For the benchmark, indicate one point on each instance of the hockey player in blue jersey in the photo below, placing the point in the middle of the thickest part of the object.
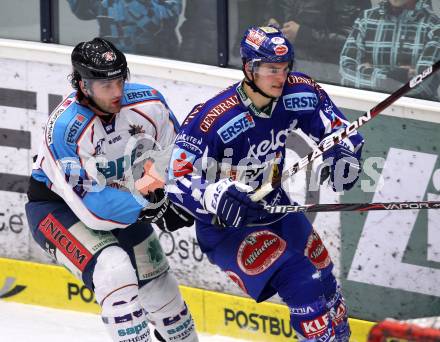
(227, 148)
(93, 197)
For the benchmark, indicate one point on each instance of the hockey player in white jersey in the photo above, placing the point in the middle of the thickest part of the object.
(92, 199)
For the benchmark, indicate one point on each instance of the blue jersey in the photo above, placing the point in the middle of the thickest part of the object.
(229, 137)
(93, 163)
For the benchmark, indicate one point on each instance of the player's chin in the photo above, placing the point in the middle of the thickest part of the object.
(114, 108)
(276, 91)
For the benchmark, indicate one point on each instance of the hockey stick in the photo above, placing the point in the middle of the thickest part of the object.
(311, 208)
(338, 136)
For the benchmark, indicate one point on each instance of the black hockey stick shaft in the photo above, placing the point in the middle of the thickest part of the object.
(311, 208)
(342, 134)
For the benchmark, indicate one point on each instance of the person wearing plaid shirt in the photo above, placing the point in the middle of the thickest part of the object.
(391, 43)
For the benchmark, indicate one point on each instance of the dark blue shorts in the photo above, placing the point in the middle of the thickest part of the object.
(251, 255)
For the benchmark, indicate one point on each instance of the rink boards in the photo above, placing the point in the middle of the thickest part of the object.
(388, 263)
(214, 313)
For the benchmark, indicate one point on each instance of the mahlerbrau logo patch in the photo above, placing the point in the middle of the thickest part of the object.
(237, 280)
(259, 250)
(316, 251)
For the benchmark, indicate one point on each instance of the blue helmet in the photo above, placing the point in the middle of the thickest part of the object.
(265, 44)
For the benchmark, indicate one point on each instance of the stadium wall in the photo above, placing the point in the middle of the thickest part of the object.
(388, 262)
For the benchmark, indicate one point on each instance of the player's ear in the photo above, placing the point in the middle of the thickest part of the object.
(247, 69)
(83, 87)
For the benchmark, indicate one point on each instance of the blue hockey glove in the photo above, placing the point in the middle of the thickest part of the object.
(344, 166)
(229, 200)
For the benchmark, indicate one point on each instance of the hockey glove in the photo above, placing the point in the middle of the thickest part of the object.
(174, 218)
(229, 200)
(164, 214)
(343, 166)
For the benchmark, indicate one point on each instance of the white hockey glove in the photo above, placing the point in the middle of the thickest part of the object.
(229, 200)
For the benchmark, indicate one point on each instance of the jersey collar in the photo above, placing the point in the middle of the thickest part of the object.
(265, 112)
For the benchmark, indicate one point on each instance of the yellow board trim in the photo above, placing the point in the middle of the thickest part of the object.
(213, 312)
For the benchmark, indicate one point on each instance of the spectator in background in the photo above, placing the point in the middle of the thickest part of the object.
(390, 44)
(135, 26)
(318, 28)
(199, 32)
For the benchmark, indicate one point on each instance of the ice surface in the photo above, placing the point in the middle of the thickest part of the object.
(21, 322)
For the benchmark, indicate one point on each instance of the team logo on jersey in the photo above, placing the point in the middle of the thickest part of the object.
(141, 94)
(66, 243)
(302, 310)
(336, 121)
(115, 139)
(300, 101)
(294, 79)
(217, 112)
(189, 142)
(136, 129)
(116, 168)
(274, 143)
(236, 279)
(150, 258)
(234, 127)
(181, 163)
(98, 148)
(193, 113)
(316, 251)
(340, 313)
(74, 129)
(315, 328)
(259, 250)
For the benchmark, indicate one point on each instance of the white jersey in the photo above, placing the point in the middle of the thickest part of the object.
(92, 164)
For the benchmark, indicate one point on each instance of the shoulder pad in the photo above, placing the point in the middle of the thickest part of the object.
(67, 122)
(303, 82)
(300, 78)
(134, 93)
(214, 109)
(53, 118)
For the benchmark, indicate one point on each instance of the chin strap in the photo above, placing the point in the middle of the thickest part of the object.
(251, 83)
